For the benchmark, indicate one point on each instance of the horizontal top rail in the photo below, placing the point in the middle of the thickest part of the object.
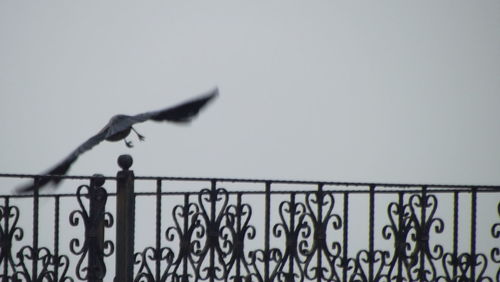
(264, 181)
(259, 192)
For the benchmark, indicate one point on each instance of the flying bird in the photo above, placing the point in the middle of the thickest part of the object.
(120, 126)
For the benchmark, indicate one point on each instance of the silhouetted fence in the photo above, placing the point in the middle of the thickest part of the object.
(194, 229)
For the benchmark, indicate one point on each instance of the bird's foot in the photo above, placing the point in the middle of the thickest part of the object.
(128, 143)
(141, 137)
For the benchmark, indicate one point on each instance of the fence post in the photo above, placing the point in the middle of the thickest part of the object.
(95, 229)
(125, 220)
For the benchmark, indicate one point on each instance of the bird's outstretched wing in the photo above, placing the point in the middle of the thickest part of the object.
(181, 113)
(184, 112)
(62, 167)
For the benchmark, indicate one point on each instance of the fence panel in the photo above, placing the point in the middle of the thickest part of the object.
(204, 229)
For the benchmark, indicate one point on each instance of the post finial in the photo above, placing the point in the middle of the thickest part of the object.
(98, 179)
(125, 161)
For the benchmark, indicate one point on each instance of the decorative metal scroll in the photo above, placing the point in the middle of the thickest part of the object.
(33, 262)
(9, 234)
(495, 252)
(95, 219)
(212, 231)
(30, 262)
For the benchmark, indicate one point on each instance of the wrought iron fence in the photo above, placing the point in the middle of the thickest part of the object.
(194, 229)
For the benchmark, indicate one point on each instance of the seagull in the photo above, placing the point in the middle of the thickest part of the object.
(120, 126)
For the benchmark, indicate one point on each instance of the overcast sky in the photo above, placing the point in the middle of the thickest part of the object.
(382, 91)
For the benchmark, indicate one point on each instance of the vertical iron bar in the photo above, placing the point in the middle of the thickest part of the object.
(56, 238)
(90, 236)
(212, 221)
(158, 229)
(185, 231)
(8, 255)
(95, 232)
(473, 234)
(292, 227)
(398, 238)
(345, 252)
(422, 229)
(371, 233)
(34, 270)
(125, 221)
(318, 228)
(455, 233)
(238, 231)
(267, 230)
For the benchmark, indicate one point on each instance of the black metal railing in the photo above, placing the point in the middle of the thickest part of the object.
(208, 229)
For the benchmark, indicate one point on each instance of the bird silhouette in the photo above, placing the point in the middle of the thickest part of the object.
(119, 127)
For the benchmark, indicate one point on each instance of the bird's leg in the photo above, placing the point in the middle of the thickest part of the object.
(128, 143)
(141, 137)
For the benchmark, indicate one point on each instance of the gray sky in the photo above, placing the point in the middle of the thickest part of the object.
(383, 91)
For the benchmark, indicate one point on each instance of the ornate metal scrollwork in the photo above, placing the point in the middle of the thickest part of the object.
(295, 230)
(212, 248)
(28, 253)
(210, 234)
(422, 211)
(495, 252)
(94, 248)
(51, 269)
(47, 266)
(235, 232)
(369, 266)
(459, 268)
(60, 268)
(188, 232)
(9, 232)
(187, 228)
(152, 255)
(322, 259)
(410, 227)
(144, 272)
(400, 227)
